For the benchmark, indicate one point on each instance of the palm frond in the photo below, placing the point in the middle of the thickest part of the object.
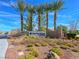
(39, 9)
(21, 5)
(46, 6)
(30, 8)
(55, 6)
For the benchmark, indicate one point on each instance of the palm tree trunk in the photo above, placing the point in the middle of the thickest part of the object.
(38, 22)
(46, 23)
(55, 16)
(21, 22)
(30, 22)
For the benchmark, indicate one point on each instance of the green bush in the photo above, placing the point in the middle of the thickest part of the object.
(75, 50)
(76, 38)
(37, 44)
(53, 44)
(71, 35)
(57, 51)
(33, 51)
(44, 44)
(64, 47)
(69, 44)
(29, 57)
(59, 42)
(30, 45)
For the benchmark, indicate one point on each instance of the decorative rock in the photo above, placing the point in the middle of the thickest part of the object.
(21, 53)
(52, 55)
(77, 36)
(56, 56)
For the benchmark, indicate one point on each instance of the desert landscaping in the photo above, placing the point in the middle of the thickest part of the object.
(38, 48)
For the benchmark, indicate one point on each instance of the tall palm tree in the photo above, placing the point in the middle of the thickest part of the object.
(39, 10)
(21, 6)
(56, 6)
(31, 10)
(46, 9)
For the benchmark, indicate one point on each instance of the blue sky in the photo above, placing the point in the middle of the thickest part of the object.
(10, 19)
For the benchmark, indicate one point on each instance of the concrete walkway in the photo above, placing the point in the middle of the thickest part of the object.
(3, 48)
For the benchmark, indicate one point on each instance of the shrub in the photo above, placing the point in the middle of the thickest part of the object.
(69, 44)
(25, 36)
(30, 45)
(33, 37)
(64, 47)
(60, 42)
(75, 50)
(44, 44)
(53, 44)
(77, 37)
(29, 57)
(75, 44)
(71, 35)
(33, 51)
(30, 48)
(37, 44)
(57, 51)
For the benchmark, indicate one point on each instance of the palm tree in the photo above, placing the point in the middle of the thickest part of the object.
(46, 9)
(25, 26)
(56, 6)
(31, 10)
(21, 6)
(39, 10)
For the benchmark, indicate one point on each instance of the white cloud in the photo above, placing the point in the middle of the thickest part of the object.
(10, 15)
(4, 4)
(4, 26)
(7, 14)
(3, 12)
